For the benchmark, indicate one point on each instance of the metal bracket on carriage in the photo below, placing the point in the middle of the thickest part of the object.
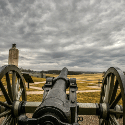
(72, 91)
(73, 99)
(48, 86)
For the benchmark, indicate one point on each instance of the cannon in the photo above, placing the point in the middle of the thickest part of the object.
(57, 107)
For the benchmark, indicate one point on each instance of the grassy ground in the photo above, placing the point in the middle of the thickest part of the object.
(88, 97)
(35, 79)
(32, 98)
(30, 89)
(83, 81)
(35, 98)
(91, 97)
(93, 77)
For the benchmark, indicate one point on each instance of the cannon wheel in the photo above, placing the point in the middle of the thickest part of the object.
(13, 89)
(113, 93)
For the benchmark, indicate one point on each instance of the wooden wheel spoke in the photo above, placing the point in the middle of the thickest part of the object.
(17, 88)
(7, 119)
(5, 93)
(111, 86)
(5, 113)
(14, 85)
(110, 122)
(106, 122)
(5, 105)
(9, 85)
(101, 122)
(114, 91)
(102, 94)
(14, 121)
(10, 123)
(23, 92)
(107, 89)
(18, 83)
(3, 123)
(20, 93)
(113, 104)
(112, 111)
(113, 120)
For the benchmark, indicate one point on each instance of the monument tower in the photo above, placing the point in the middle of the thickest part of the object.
(13, 55)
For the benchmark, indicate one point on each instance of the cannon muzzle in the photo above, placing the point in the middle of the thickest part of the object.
(64, 72)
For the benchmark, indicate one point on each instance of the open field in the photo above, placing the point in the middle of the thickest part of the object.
(84, 82)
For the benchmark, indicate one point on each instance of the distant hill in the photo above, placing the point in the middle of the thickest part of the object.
(58, 72)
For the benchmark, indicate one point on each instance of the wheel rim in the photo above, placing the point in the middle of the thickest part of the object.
(12, 86)
(113, 93)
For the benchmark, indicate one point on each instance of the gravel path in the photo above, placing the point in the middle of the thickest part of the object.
(37, 82)
(41, 92)
(33, 87)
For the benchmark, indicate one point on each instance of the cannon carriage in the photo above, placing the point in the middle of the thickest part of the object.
(57, 107)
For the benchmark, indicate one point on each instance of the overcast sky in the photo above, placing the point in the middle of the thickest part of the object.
(87, 35)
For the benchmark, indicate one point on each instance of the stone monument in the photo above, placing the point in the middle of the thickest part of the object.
(13, 55)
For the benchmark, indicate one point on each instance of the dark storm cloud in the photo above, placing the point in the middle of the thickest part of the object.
(2, 4)
(51, 34)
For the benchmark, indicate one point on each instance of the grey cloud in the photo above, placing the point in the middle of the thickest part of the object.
(3, 58)
(56, 33)
(59, 55)
(14, 1)
(3, 4)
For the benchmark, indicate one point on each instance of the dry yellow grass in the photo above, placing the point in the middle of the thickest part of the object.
(30, 89)
(38, 85)
(83, 80)
(51, 75)
(32, 98)
(93, 77)
(35, 98)
(35, 79)
(88, 97)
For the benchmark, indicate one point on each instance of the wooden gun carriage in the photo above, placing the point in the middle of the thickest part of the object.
(57, 107)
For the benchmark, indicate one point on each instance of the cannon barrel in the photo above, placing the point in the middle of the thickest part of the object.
(64, 72)
(60, 82)
(55, 103)
(59, 88)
